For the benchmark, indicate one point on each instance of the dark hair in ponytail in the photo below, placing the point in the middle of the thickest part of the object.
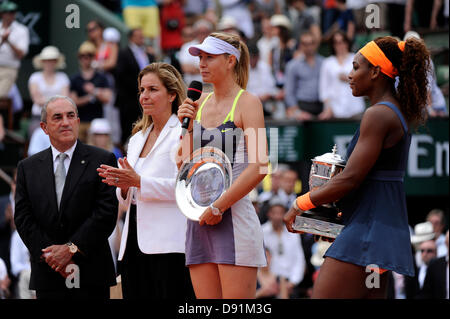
(413, 65)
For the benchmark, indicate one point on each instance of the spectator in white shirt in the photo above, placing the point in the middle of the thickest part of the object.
(39, 141)
(47, 81)
(19, 255)
(240, 12)
(14, 41)
(262, 84)
(288, 259)
(334, 90)
(267, 41)
(437, 218)
(427, 251)
(21, 267)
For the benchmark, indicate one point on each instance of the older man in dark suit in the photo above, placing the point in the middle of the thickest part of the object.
(64, 213)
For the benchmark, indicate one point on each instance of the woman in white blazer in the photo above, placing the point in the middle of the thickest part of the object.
(151, 255)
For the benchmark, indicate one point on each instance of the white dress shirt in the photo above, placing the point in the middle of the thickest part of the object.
(39, 141)
(288, 259)
(261, 81)
(47, 90)
(441, 246)
(140, 55)
(422, 274)
(336, 92)
(265, 46)
(186, 58)
(3, 270)
(20, 257)
(19, 37)
(67, 160)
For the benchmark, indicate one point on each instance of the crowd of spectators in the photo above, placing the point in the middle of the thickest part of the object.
(301, 53)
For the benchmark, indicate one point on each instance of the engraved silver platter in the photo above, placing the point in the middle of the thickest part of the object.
(201, 180)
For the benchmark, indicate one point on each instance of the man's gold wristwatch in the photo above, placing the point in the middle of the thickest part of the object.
(72, 247)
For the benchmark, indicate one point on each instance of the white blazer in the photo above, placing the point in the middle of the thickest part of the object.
(161, 227)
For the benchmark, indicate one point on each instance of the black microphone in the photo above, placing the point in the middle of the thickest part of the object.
(194, 92)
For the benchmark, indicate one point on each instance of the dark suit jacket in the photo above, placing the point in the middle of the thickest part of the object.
(434, 286)
(87, 215)
(412, 286)
(126, 73)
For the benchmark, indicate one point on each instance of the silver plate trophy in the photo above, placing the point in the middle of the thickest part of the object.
(201, 180)
(324, 220)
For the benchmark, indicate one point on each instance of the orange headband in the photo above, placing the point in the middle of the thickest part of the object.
(372, 52)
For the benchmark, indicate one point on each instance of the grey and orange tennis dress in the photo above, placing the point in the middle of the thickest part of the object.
(376, 220)
(238, 238)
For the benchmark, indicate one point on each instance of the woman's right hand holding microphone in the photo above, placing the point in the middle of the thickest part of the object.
(188, 109)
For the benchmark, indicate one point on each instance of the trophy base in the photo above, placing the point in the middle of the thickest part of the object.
(317, 227)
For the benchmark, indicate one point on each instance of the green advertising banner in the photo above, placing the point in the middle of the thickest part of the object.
(428, 162)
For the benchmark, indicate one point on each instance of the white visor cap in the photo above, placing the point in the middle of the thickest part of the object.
(213, 45)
